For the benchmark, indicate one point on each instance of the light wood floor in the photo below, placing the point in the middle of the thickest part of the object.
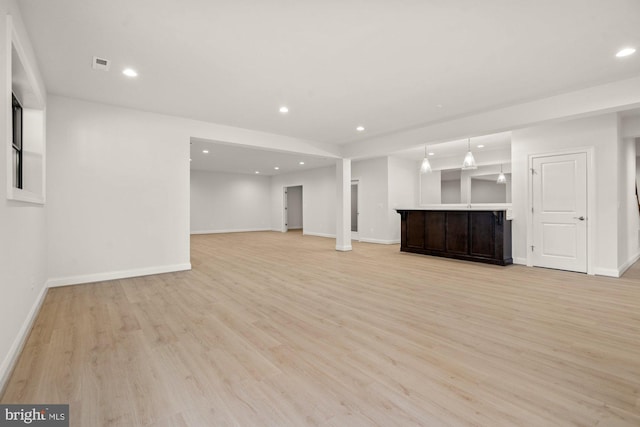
(273, 329)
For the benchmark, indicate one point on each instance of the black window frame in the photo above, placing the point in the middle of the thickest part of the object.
(16, 141)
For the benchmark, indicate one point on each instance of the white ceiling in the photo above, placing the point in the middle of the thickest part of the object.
(234, 158)
(382, 64)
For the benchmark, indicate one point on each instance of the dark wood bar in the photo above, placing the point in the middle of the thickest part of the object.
(471, 235)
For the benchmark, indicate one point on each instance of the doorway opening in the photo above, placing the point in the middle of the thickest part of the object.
(354, 210)
(293, 217)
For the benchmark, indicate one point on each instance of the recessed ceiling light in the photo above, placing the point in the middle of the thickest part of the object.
(360, 128)
(625, 52)
(481, 146)
(284, 110)
(277, 168)
(190, 160)
(302, 163)
(257, 171)
(439, 106)
(432, 154)
(205, 151)
(130, 72)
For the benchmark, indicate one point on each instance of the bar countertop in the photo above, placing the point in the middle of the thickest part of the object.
(459, 207)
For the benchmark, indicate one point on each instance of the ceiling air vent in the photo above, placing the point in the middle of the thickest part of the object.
(101, 64)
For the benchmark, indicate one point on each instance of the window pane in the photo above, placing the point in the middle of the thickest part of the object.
(17, 124)
(17, 168)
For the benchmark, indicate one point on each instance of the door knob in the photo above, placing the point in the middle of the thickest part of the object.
(581, 218)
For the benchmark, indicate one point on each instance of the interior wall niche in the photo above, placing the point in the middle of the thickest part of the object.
(456, 186)
(24, 86)
(485, 189)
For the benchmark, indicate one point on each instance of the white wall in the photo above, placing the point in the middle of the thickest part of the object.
(485, 191)
(119, 187)
(33, 150)
(613, 96)
(629, 244)
(631, 128)
(484, 158)
(384, 184)
(451, 191)
(431, 188)
(118, 192)
(380, 192)
(403, 192)
(634, 218)
(294, 207)
(601, 133)
(623, 199)
(637, 167)
(319, 201)
(628, 215)
(373, 224)
(226, 202)
(466, 187)
(22, 228)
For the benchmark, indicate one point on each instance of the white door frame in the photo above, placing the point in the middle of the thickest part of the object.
(285, 227)
(285, 214)
(591, 209)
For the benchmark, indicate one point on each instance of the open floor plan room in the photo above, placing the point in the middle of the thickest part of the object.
(298, 213)
(279, 329)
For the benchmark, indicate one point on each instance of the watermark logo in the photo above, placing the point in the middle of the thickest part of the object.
(34, 415)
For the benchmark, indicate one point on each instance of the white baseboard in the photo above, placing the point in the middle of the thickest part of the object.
(333, 236)
(235, 230)
(9, 362)
(113, 275)
(379, 241)
(624, 267)
(609, 272)
(295, 228)
(598, 271)
(311, 233)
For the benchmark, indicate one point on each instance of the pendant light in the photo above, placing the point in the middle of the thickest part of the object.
(501, 178)
(469, 162)
(426, 166)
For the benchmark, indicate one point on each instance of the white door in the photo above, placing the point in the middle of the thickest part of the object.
(559, 188)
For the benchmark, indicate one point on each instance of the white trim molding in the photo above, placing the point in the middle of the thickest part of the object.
(624, 267)
(113, 275)
(379, 241)
(26, 83)
(609, 272)
(8, 364)
(236, 230)
(311, 233)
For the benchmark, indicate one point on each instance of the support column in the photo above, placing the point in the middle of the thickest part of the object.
(343, 205)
